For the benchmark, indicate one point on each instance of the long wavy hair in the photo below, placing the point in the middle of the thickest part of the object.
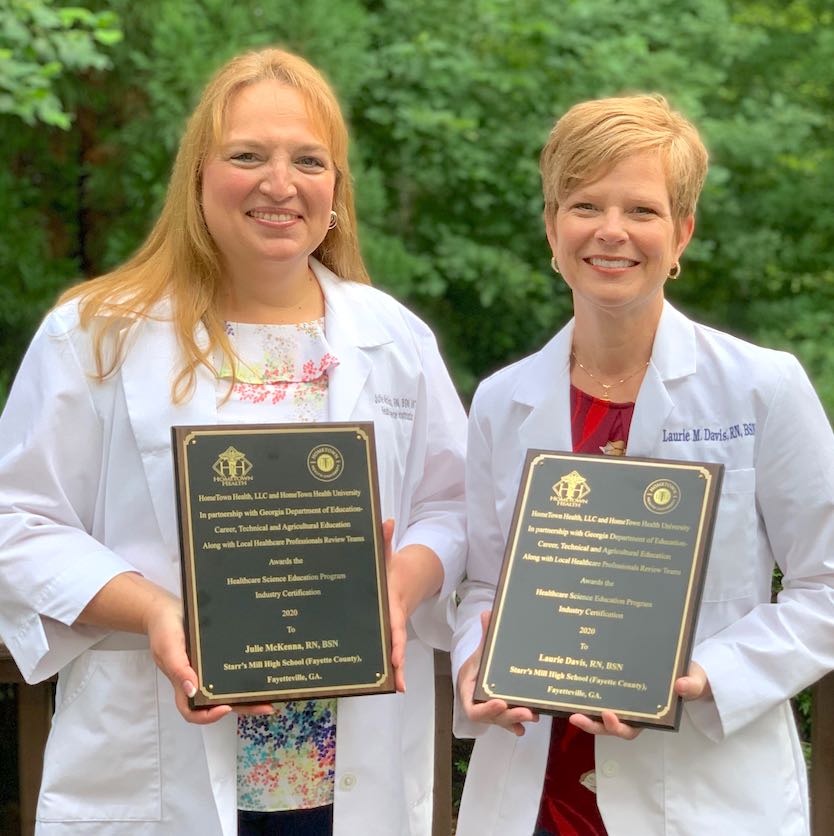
(179, 261)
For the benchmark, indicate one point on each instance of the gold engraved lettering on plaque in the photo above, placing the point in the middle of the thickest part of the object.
(232, 468)
(571, 491)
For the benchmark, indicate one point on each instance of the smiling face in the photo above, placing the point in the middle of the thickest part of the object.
(614, 238)
(267, 188)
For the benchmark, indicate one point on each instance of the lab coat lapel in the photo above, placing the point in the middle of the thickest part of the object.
(347, 395)
(673, 357)
(544, 387)
(151, 363)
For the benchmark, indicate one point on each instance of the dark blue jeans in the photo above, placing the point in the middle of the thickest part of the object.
(317, 821)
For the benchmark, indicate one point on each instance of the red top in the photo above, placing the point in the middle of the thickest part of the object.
(569, 805)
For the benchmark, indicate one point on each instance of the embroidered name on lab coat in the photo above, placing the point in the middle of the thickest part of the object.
(400, 408)
(697, 434)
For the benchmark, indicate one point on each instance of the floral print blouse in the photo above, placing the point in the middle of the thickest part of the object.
(285, 761)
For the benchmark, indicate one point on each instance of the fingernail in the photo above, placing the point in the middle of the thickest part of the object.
(189, 688)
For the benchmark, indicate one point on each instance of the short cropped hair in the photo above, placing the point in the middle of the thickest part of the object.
(594, 136)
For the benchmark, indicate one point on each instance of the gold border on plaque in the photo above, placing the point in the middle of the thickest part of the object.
(192, 437)
(536, 458)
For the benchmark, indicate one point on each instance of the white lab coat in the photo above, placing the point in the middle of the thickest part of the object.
(87, 492)
(735, 766)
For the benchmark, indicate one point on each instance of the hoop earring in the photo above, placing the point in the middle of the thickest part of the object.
(674, 271)
(554, 266)
(334, 220)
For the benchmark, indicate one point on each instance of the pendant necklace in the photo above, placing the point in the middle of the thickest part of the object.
(607, 387)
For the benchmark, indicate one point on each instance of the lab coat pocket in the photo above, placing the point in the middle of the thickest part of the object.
(102, 758)
(733, 552)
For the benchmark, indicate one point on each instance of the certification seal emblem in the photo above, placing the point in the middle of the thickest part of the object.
(325, 463)
(662, 496)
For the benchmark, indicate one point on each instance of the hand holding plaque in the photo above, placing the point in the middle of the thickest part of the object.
(284, 580)
(600, 587)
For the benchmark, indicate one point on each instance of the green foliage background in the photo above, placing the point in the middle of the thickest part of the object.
(449, 104)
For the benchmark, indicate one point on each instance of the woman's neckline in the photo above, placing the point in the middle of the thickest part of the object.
(589, 397)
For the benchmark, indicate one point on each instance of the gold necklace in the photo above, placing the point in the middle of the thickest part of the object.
(607, 387)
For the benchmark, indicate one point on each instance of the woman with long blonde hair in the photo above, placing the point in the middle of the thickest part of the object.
(248, 303)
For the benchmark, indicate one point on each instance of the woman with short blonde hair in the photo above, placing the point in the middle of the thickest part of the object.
(630, 375)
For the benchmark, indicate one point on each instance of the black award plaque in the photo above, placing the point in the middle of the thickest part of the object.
(283, 567)
(600, 586)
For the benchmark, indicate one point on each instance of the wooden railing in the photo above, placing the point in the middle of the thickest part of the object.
(34, 712)
(443, 696)
(822, 758)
